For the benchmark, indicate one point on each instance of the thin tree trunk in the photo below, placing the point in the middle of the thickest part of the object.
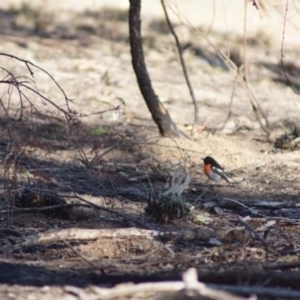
(159, 114)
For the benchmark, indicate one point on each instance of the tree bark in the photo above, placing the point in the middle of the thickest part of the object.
(159, 114)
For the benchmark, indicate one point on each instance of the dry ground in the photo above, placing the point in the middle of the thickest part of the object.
(85, 47)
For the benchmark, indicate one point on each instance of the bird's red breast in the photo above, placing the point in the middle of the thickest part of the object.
(207, 169)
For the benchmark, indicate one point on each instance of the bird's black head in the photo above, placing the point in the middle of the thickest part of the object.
(208, 160)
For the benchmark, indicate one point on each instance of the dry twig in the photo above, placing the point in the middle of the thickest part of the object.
(184, 69)
(43, 209)
(232, 67)
(282, 50)
(257, 235)
(112, 211)
(80, 255)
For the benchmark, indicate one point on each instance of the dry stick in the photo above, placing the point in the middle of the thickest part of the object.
(42, 209)
(263, 292)
(80, 255)
(12, 82)
(255, 4)
(247, 88)
(212, 19)
(71, 234)
(112, 211)
(28, 63)
(184, 69)
(183, 154)
(185, 288)
(284, 265)
(231, 100)
(82, 154)
(231, 66)
(250, 92)
(257, 235)
(238, 202)
(282, 50)
(265, 203)
(174, 286)
(20, 84)
(71, 116)
(112, 108)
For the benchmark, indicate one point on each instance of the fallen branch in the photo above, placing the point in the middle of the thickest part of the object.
(61, 235)
(17, 210)
(249, 204)
(185, 289)
(284, 265)
(214, 291)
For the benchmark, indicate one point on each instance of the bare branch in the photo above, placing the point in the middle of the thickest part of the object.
(28, 63)
(282, 50)
(184, 69)
(80, 255)
(112, 211)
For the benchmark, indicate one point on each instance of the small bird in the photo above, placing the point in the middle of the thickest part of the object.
(213, 170)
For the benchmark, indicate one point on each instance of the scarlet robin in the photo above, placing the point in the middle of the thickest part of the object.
(213, 170)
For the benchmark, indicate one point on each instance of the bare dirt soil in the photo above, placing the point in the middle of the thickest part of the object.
(85, 48)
